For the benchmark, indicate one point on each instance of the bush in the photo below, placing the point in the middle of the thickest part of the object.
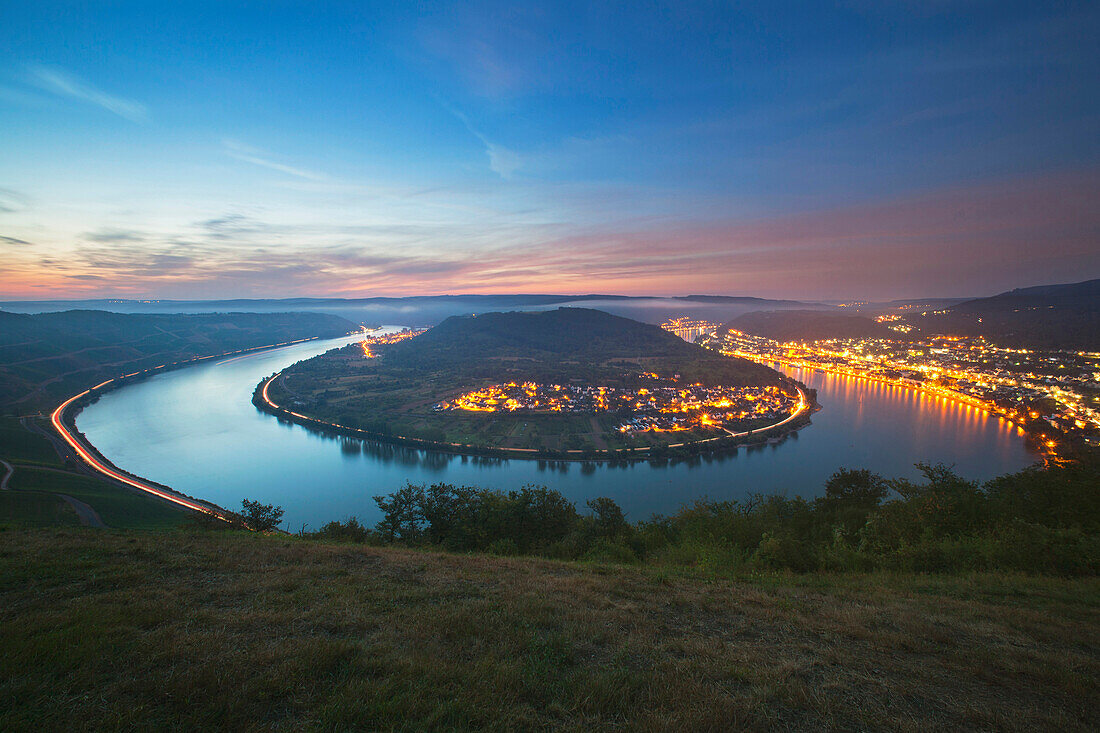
(612, 551)
(943, 523)
(784, 552)
(348, 531)
(261, 517)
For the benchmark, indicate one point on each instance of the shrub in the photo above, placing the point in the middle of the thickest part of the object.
(261, 517)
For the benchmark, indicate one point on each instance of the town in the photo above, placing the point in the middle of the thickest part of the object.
(1053, 395)
(666, 406)
(388, 338)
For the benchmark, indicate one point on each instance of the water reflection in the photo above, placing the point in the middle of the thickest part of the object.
(197, 431)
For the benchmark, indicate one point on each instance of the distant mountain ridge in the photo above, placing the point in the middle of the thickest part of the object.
(802, 325)
(49, 356)
(1083, 296)
(428, 310)
(1063, 316)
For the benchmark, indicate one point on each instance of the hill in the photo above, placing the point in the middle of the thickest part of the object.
(804, 325)
(47, 357)
(1047, 316)
(563, 334)
(399, 390)
(198, 630)
(565, 344)
(432, 309)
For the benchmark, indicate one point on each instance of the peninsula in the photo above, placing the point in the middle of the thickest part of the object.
(569, 382)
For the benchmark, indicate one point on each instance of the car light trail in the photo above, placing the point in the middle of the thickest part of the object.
(800, 407)
(57, 420)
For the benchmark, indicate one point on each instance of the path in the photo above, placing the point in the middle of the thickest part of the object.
(87, 516)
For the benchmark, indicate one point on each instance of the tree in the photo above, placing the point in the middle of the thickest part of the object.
(850, 496)
(610, 520)
(261, 517)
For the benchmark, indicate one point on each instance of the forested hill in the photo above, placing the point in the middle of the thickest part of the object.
(47, 357)
(577, 336)
(804, 325)
(1048, 316)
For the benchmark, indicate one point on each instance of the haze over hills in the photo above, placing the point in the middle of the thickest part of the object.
(47, 357)
(432, 309)
(1047, 316)
(802, 325)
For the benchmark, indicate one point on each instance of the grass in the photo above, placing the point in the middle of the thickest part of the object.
(33, 509)
(118, 507)
(19, 445)
(33, 499)
(113, 629)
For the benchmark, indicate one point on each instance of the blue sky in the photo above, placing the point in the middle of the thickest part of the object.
(860, 149)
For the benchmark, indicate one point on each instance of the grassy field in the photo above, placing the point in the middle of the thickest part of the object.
(137, 630)
(40, 478)
(19, 445)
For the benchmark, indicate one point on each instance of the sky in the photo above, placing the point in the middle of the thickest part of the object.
(866, 149)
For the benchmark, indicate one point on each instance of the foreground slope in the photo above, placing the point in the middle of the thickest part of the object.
(210, 630)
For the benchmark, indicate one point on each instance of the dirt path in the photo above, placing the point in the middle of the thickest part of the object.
(597, 433)
(88, 516)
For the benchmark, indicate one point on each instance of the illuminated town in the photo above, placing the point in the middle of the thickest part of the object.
(386, 339)
(665, 406)
(1052, 394)
(689, 329)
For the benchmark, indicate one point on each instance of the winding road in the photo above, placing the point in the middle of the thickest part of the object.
(801, 407)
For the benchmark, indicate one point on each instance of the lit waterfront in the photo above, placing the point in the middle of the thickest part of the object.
(385, 339)
(190, 429)
(1051, 394)
(663, 405)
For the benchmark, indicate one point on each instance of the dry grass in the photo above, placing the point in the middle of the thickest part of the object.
(109, 630)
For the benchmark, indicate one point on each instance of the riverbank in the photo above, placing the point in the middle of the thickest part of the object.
(76, 447)
(1038, 441)
(201, 630)
(768, 434)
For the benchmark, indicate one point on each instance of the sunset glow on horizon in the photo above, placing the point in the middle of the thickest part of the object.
(211, 151)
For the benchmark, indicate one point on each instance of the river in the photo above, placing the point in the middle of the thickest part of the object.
(196, 430)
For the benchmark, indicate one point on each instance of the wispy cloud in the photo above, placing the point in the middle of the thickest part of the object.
(64, 84)
(502, 161)
(12, 201)
(13, 240)
(249, 154)
(109, 236)
(960, 240)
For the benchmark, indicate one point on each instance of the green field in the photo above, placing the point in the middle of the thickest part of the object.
(107, 630)
(35, 489)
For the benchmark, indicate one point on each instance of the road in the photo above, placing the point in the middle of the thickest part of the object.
(801, 407)
(85, 454)
(87, 516)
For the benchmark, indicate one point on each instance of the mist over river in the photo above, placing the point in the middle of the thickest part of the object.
(195, 429)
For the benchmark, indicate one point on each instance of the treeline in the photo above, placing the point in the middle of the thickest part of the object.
(1037, 520)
